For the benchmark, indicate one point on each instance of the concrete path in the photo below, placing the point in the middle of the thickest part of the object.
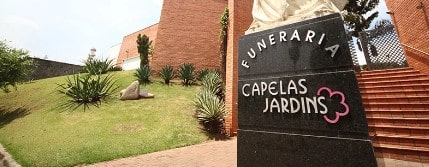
(213, 153)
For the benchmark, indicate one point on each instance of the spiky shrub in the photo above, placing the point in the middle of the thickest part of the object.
(143, 74)
(86, 89)
(186, 73)
(167, 74)
(210, 111)
(115, 68)
(212, 81)
(202, 73)
(98, 66)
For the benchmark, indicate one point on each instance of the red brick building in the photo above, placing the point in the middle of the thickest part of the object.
(411, 19)
(129, 45)
(188, 32)
(240, 15)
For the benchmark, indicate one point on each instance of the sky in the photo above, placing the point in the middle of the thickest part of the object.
(66, 30)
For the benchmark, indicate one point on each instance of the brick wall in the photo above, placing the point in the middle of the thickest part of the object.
(412, 25)
(188, 32)
(129, 44)
(48, 69)
(240, 20)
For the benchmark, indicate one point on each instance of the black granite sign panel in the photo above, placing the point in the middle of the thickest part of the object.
(324, 104)
(311, 46)
(288, 150)
(298, 101)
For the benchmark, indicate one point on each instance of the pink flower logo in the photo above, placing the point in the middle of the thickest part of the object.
(342, 102)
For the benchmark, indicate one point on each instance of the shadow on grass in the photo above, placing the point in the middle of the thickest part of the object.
(7, 115)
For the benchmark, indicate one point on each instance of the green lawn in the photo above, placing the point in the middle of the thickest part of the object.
(38, 133)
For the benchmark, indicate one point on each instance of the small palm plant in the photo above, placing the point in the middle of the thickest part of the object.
(167, 74)
(143, 74)
(86, 90)
(186, 73)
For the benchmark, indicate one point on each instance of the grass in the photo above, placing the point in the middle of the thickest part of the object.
(37, 132)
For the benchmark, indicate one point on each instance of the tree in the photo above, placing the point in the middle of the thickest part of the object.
(382, 24)
(144, 47)
(354, 15)
(15, 66)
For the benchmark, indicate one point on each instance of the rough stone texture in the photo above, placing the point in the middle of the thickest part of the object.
(131, 92)
(240, 19)
(188, 32)
(412, 25)
(129, 44)
(49, 68)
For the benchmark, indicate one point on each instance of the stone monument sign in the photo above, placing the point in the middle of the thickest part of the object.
(273, 13)
(299, 103)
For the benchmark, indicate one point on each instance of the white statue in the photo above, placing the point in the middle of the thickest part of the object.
(273, 13)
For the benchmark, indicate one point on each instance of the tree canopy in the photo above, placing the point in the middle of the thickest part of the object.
(144, 47)
(358, 15)
(15, 66)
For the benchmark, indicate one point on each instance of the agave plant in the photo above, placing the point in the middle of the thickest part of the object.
(186, 73)
(210, 110)
(143, 74)
(212, 81)
(86, 90)
(98, 66)
(167, 74)
(203, 72)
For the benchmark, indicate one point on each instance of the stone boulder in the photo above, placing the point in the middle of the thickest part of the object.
(131, 92)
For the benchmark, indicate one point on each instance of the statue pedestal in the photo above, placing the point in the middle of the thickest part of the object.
(298, 101)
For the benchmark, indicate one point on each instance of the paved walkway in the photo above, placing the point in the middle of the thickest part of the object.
(213, 153)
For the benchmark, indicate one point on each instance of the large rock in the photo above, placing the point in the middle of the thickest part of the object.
(131, 92)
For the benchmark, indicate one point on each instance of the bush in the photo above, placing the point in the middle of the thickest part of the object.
(210, 111)
(85, 90)
(98, 66)
(212, 81)
(202, 73)
(186, 73)
(143, 74)
(115, 68)
(15, 66)
(167, 74)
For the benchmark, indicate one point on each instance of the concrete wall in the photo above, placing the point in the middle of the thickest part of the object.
(114, 53)
(129, 45)
(131, 64)
(188, 32)
(48, 69)
(412, 25)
